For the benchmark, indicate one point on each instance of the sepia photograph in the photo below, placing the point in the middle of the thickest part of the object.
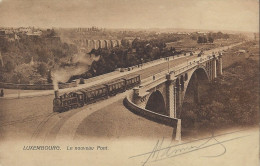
(129, 82)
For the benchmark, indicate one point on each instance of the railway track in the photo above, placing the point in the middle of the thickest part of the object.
(27, 119)
(41, 125)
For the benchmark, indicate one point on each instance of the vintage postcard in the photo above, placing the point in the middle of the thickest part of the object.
(129, 82)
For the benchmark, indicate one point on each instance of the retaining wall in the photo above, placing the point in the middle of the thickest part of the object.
(36, 86)
(159, 118)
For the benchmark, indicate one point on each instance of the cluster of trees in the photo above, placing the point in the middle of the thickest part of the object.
(205, 39)
(43, 50)
(228, 102)
(209, 38)
(139, 52)
(219, 35)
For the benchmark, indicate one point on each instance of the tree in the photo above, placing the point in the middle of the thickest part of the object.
(10, 66)
(202, 39)
(52, 33)
(193, 37)
(136, 43)
(211, 39)
(124, 43)
(49, 77)
(172, 49)
(42, 69)
(205, 40)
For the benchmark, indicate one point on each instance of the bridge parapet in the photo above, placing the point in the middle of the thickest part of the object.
(177, 70)
(156, 117)
(150, 114)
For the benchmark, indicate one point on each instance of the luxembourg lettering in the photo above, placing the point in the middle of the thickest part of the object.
(41, 148)
(68, 148)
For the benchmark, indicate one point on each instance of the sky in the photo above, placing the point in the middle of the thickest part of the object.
(236, 15)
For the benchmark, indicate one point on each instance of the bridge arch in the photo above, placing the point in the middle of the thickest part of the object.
(118, 43)
(196, 83)
(96, 44)
(111, 44)
(99, 43)
(107, 44)
(182, 82)
(195, 86)
(92, 44)
(186, 77)
(177, 83)
(201, 74)
(156, 103)
(87, 43)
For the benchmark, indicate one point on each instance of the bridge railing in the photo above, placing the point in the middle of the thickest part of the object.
(176, 70)
(193, 64)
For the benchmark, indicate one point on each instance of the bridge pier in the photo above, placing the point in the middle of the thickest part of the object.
(179, 101)
(178, 131)
(196, 89)
(214, 68)
(171, 96)
(220, 64)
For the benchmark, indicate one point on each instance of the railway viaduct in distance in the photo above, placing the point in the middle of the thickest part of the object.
(101, 43)
(161, 99)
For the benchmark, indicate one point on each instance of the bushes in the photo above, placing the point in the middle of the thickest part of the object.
(10, 66)
(231, 100)
(42, 69)
(41, 49)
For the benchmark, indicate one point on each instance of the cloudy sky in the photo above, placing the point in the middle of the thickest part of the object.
(238, 15)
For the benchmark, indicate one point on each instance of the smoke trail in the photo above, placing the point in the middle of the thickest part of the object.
(80, 63)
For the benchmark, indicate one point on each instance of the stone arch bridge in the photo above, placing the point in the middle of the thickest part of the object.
(169, 90)
(95, 44)
(162, 97)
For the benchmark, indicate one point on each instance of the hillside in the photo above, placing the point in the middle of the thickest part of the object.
(233, 98)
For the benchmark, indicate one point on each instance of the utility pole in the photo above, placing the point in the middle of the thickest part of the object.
(141, 63)
(168, 65)
(19, 82)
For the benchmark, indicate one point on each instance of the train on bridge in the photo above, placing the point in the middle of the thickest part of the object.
(90, 95)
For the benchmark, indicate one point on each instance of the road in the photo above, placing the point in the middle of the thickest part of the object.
(32, 118)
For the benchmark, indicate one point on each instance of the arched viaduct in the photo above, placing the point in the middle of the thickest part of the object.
(169, 91)
(165, 95)
(95, 44)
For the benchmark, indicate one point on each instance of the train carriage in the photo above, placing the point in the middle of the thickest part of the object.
(132, 81)
(80, 98)
(95, 93)
(115, 87)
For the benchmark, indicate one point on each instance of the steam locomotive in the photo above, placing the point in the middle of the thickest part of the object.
(93, 94)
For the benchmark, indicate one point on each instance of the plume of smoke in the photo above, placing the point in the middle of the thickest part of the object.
(80, 63)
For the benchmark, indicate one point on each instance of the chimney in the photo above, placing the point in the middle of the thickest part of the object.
(56, 92)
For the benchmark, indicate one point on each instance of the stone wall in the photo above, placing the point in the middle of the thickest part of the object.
(36, 86)
(166, 120)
